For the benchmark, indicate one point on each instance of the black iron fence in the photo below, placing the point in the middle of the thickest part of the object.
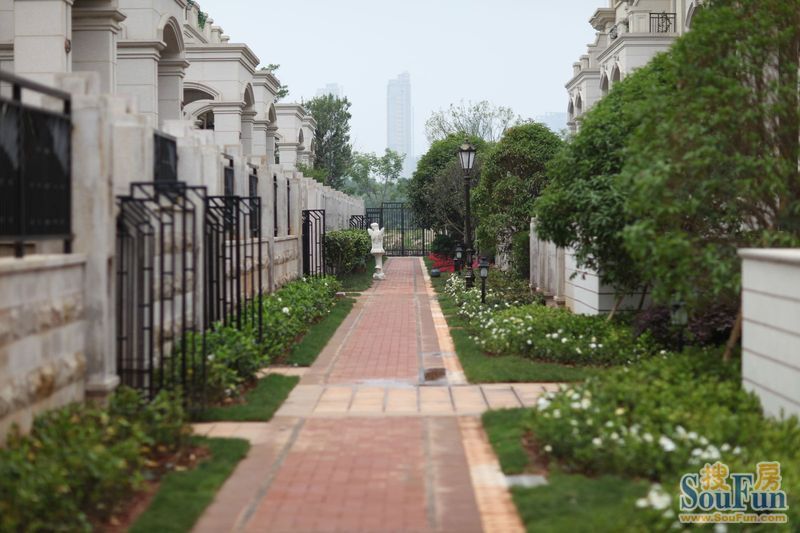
(662, 22)
(313, 237)
(160, 335)
(358, 222)
(233, 262)
(35, 166)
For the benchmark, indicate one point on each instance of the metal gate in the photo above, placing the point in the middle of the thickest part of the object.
(314, 242)
(403, 235)
(358, 222)
(160, 339)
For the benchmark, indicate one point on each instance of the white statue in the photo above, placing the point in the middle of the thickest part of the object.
(377, 249)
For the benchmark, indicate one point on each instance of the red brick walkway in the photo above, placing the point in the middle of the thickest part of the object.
(316, 467)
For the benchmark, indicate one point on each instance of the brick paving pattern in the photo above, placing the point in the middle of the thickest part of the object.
(363, 443)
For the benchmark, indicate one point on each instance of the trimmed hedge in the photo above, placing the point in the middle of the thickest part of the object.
(346, 250)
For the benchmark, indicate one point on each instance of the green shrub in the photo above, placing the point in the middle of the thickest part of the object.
(444, 245)
(521, 254)
(508, 287)
(80, 462)
(346, 250)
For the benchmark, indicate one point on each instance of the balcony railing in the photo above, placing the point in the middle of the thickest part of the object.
(662, 23)
(35, 165)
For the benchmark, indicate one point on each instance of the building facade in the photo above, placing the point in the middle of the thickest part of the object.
(136, 98)
(400, 120)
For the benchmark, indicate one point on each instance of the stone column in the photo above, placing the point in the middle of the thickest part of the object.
(137, 75)
(95, 26)
(259, 141)
(42, 33)
(170, 88)
(248, 118)
(228, 124)
(271, 144)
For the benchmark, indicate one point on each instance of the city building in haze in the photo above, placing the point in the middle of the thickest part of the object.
(334, 89)
(399, 120)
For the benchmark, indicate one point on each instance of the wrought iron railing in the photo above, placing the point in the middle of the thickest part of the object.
(35, 166)
(662, 22)
(313, 240)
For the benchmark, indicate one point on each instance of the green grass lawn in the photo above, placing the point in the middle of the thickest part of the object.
(306, 351)
(569, 502)
(260, 403)
(183, 496)
(482, 368)
(360, 281)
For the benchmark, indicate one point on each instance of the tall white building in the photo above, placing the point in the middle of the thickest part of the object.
(333, 89)
(399, 120)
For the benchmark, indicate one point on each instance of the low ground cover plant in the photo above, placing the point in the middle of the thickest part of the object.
(660, 419)
(80, 463)
(505, 326)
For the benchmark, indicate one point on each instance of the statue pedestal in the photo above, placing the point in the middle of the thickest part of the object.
(378, 267)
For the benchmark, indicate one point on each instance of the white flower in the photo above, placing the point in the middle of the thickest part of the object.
(556, 413)
(641, 503)
(597, 441)
(658, 499)
(548, 448)
(614, 436)
(600, 346)
(667, 443)
(585, 403)
(575, 396)
(697, 452)
(692, 435)
(669, 513)
(561, 331)
(592, 345)
(720, 528)
(530, 342)
(575, 405)
(594, 339)
(619, 411)
(681, 431)
(647, 437)
(542, 404)
(703, 441)
(663, 352)
(725, 447)
(285, 310)
(563, 340)
(737, 451)
(609, 424)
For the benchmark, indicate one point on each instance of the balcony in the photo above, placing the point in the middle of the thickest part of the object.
(662, 23)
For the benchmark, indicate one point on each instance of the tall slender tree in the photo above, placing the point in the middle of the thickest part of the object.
(334, 152)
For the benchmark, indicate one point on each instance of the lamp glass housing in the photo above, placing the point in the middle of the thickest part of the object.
(459, 252)
(678, 314)
(484, 266)
(466, 156)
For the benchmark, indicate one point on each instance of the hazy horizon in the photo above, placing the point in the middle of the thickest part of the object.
(515, 53)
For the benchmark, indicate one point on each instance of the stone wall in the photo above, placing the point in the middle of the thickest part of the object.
(42, 336)
(771, 328)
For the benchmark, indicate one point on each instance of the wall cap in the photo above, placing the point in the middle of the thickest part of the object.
(11, 265)
(789, 256)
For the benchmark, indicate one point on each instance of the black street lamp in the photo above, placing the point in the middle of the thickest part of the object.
(484, 270)
(459, 255)
(466, 156)
(680, 318)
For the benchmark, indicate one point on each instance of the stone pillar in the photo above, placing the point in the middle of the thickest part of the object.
(271, 144)
(95, 26)
(170, 88)
(42, 32)
(248, 118)
(137, 75)
(259, 140)
(228, 124)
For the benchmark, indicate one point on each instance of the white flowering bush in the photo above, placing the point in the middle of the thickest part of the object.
(661, 417)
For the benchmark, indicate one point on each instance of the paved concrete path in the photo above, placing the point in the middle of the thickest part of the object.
(381, 434)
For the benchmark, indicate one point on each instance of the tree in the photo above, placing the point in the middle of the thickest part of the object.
(283, 90)
(435, 173)
(513, 174)
(584, 207)
(482, 120)
(376, 179)
(333, 149)
(714, 165)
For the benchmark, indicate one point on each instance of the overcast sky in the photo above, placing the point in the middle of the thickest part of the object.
(516, 53)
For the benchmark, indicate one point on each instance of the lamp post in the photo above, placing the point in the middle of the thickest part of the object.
(459, 255)
(466, 156)
(484, 271)
(679, 317)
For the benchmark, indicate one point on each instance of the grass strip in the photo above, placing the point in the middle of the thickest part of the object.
(183, 496)
(306, 351)
(260, 403)
(360, 281)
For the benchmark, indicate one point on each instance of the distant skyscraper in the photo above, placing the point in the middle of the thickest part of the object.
(399, 120)
(334, 89)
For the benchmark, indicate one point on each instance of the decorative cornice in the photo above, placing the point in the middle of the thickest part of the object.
(584, 74)
(224, 52)
(635, 40)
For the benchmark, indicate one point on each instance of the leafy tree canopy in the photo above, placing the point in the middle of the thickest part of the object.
(714, 165)
(482, 120)
(376, 179)
(333, 149)
(440, 163)
(584, 205)
(513, 174)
